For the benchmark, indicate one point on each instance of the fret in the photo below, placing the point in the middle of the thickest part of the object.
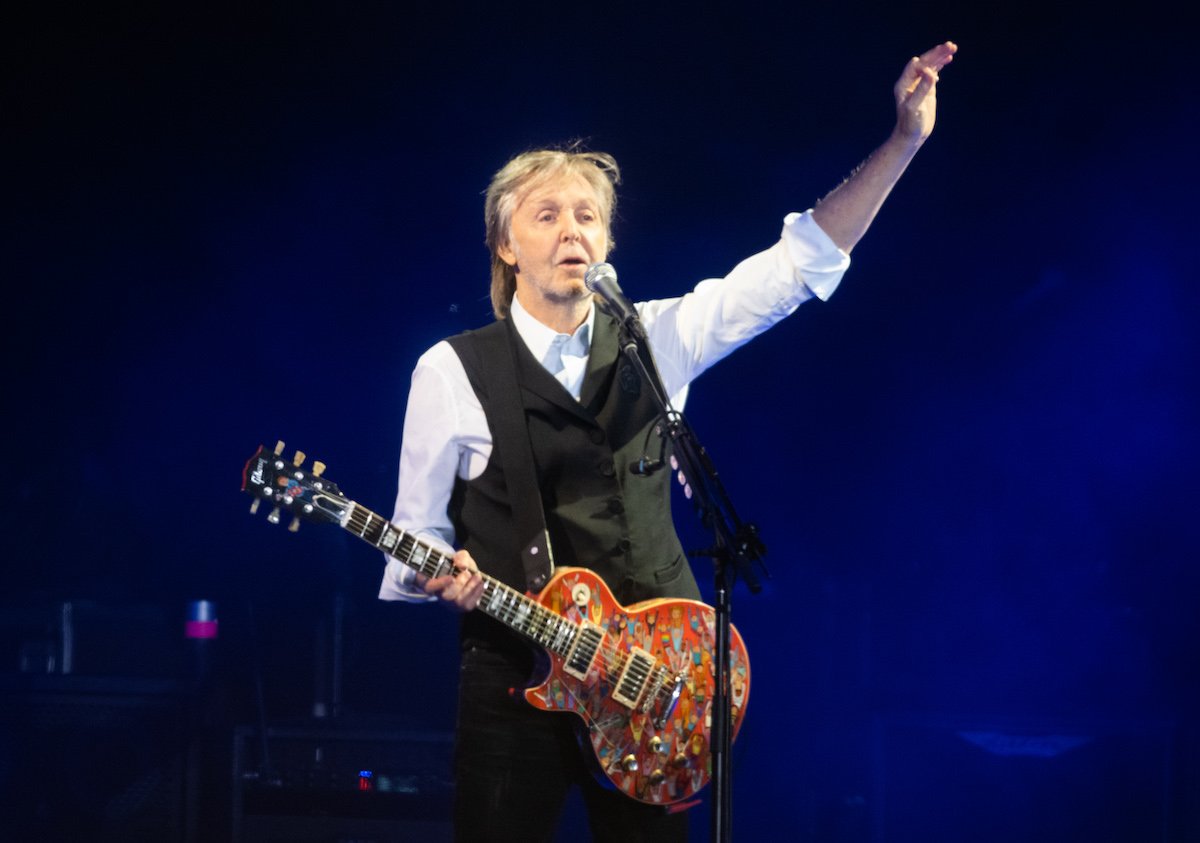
(435, 564)
(561, 634)
(523, 615)
(391, 535)
(553, 632)
(543, 619)
(419, 558)
(373, 529)
(361, 516)
(404, 550)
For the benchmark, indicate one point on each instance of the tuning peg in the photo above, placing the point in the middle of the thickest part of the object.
(299, 458)
(318, 468)
(254, 505)
(279, 448)
(294, 526)
(274, 516)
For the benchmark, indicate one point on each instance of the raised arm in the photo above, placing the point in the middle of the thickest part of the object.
(847, 211)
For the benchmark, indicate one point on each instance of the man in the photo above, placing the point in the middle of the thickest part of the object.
(584, 418)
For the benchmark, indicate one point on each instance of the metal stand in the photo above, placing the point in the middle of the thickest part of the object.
(736, 547)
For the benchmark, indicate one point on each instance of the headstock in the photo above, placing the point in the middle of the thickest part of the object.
(305, 494)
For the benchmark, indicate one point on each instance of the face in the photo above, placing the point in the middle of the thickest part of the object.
(556, 233)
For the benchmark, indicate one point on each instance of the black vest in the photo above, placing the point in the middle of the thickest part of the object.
(598, 514)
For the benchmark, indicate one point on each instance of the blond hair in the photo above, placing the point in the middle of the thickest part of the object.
(520, 175)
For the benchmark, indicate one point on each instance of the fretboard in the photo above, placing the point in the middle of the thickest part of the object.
(510, 607)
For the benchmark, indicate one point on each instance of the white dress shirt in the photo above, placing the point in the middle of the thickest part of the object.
(446, 434)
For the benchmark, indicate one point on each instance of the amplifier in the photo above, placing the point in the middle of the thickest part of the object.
(325, 784)
(94, 758)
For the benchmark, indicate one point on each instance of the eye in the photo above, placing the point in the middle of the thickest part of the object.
(545, 216)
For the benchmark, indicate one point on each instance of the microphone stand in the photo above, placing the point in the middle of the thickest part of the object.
(736, 546)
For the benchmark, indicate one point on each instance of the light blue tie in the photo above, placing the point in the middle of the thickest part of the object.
(553, 360)
(562, 345)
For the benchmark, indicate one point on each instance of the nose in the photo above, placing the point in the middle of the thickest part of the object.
(570, 228)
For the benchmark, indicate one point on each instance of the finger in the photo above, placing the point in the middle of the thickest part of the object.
(909, 78)
(473, 594)
(463, 584)
(437, 585)
(915, 93)
(464, 561)
(939, 56)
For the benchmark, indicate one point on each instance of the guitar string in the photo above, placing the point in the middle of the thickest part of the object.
(656, 681)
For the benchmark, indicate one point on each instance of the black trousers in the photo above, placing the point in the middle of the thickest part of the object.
(515, 765)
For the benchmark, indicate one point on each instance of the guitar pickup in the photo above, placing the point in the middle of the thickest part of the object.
(631, 684)
(582, 656)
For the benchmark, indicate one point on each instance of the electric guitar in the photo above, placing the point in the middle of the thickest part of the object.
(640, 677)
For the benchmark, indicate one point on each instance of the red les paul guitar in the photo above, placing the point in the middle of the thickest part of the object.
(640, 677)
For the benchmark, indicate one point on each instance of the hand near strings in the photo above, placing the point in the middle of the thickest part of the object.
(461, 588)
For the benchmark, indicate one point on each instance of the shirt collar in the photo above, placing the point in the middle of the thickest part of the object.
(538, 337)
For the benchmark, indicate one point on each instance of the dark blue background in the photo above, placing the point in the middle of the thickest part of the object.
(974, 468)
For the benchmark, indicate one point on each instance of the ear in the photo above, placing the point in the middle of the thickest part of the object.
(506, 253)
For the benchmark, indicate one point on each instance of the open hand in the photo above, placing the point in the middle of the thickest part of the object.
(916, 91)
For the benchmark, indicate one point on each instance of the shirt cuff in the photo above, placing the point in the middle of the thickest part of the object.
(398, 584)
(399, 580)
(819, 262)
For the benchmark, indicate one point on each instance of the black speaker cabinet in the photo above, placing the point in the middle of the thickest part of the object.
(988, 781)
(328, 784)
(89, 758)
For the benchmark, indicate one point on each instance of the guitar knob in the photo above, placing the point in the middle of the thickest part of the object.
(629, 763)
(658, 777)
(254, 505)
(279, 448)
(294, 526)
(318, 468)
(274, 516)
(680, 760)
(298, 458)
(657, 746)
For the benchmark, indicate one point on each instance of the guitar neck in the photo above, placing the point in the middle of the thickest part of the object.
(517, 611)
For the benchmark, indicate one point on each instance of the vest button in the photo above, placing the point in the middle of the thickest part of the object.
(616, 506)
(624, 545)
(606, 468)
(596, 435)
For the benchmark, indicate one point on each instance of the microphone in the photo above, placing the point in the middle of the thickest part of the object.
(601, 279)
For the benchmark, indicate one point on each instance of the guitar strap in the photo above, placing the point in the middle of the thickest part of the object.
(490, 358)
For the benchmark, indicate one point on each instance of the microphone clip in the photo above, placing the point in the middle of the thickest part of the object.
(645, 466)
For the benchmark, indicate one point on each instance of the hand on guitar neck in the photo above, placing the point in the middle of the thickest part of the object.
(462, 588)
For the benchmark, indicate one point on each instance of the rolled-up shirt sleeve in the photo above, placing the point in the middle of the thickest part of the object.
(691, 333)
